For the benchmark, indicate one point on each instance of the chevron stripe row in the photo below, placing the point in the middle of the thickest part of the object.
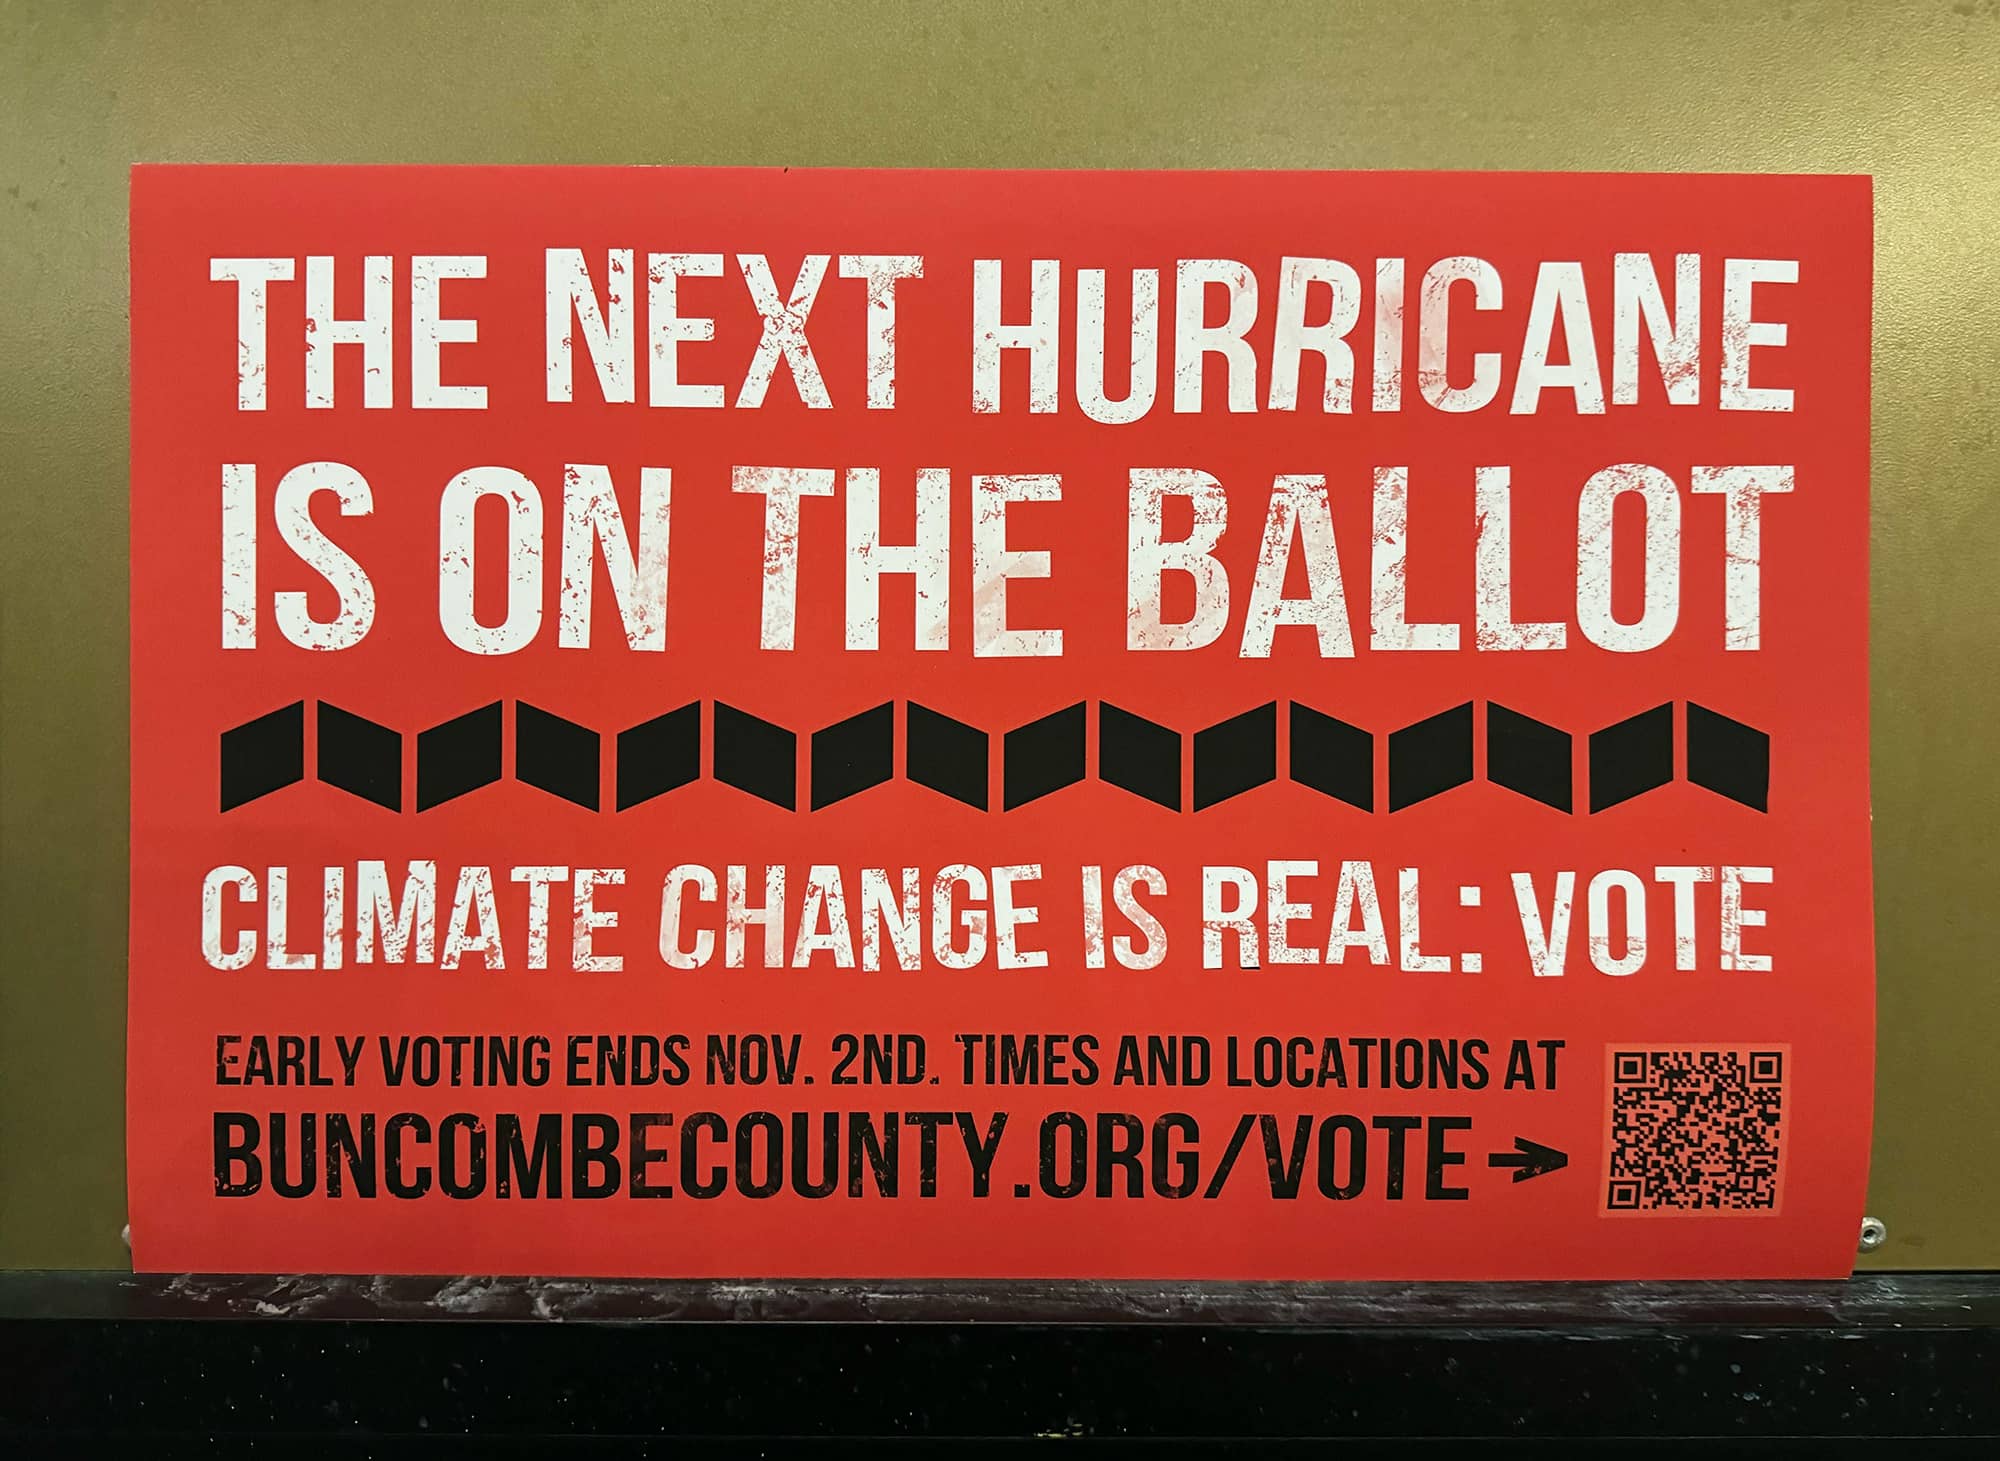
(1328, 755)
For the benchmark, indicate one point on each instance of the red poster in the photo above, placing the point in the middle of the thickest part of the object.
(927, 724)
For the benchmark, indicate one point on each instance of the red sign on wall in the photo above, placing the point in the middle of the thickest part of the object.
(815, 723)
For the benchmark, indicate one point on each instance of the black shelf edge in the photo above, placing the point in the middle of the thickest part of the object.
(506, 1366)
(1925, 1300)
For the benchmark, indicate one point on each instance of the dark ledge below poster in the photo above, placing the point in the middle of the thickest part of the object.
(98, 1355)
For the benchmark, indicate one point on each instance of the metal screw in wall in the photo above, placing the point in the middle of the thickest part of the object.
(1874, 1233)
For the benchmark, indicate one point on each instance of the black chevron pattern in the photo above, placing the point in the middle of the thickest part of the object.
(1422, 760)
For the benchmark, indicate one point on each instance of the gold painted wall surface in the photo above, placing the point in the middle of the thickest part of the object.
(1908, 90)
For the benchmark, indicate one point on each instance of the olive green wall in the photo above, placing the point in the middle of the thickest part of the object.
(1909, 92)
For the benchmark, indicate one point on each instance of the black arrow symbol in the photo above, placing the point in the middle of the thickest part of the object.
(1529, 1159)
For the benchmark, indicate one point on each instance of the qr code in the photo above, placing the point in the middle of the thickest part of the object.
(1698, 1130)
